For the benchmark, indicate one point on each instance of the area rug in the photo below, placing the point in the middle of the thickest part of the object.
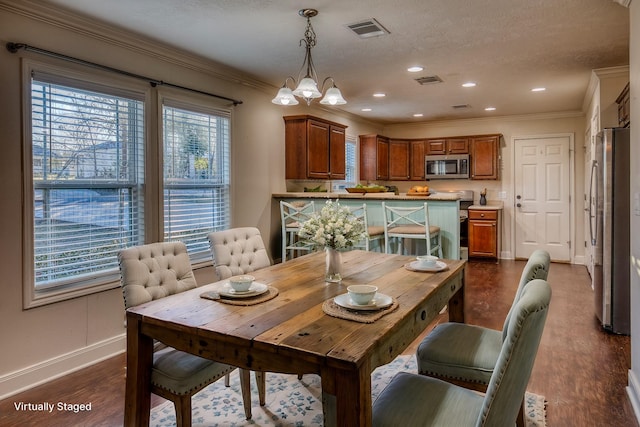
(291, 402)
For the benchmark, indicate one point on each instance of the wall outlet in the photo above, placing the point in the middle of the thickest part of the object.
(502, 195)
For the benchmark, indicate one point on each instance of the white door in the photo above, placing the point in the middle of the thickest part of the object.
(542, 196)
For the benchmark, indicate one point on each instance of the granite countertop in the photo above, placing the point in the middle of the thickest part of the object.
(360, 196)
(492, 205)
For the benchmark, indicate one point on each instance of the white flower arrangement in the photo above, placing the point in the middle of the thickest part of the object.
(333, 227)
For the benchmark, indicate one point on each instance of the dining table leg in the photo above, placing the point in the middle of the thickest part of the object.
(138, 382)
(456, 303)
(346, 396)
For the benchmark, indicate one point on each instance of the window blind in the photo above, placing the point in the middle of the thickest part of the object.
(196, 176)
(87, 172)
(350, 159)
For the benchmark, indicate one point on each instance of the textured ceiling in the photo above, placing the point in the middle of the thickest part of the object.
(506, 46)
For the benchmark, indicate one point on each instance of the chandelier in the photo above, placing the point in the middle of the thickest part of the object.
(307, 88)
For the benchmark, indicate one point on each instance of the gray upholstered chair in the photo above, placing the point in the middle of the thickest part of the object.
(466, 354)
(411, 223)
(155, 271)
(416, 400)
(238, 251)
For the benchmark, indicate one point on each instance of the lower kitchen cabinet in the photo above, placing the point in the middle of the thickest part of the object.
(484, 232)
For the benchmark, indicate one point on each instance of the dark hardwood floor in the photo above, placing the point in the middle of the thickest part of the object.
(580, 369)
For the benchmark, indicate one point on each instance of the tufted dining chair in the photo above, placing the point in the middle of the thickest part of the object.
(238, 251)
(465, 354)
(155, 271)
(416, 400)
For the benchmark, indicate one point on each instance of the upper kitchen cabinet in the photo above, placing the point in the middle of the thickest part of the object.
(314, 148)
(447, 146)
(624, 107)
(374, 157)
(399, 160)
(416, 158)
(484, 156)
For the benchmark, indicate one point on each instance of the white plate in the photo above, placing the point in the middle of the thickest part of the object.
(379, 301)
(255, 289)
(415, 265)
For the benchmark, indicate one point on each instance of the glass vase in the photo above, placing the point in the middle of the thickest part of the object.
(333, 267)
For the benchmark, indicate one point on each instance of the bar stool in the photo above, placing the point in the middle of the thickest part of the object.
(411, 223)
(374, 232)
(292, 215)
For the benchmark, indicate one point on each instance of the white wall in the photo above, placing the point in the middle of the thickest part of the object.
(44, 342)
(634, 373)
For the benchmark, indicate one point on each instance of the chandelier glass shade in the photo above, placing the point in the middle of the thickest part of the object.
(307, 86)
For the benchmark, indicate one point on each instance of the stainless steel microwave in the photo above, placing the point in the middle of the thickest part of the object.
(453, 166)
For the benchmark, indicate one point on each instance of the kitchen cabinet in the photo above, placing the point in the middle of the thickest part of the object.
(382, 158)
(624, 105)
(374, 157)
(483, 156)
(314, 148)
(416, 160)
(399, 162)
(447, 146)
(483, 232)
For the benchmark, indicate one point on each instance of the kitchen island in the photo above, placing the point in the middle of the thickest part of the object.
(444, 211)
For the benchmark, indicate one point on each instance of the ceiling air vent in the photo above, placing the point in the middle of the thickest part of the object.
(429, 80)
(368, 28)
(460, 106)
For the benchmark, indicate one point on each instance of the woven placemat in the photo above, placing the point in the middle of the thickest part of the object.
(213, 295)
(334, 310)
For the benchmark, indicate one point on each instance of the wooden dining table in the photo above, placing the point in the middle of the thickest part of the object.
(291, 333)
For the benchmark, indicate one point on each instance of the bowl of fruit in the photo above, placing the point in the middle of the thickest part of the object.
(367, 189)
(419, 190)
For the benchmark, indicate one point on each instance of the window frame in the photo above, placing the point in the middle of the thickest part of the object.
(201, 105)
(79, 78)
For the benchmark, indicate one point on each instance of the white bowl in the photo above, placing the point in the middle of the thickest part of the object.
(427, 261)
(362, 294)
(241, 283)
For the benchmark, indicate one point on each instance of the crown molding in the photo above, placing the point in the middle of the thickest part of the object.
(600, 74)
(501, 119)
(625, 3)
(141, 45)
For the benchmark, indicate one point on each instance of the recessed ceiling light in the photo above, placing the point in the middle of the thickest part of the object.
(418, 115)
(538, 89)
(415, 69)
(379, 95)
(468, 84)
(366, 109)
(490, 109)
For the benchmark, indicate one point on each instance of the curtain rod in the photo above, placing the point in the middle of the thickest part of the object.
(15, 47)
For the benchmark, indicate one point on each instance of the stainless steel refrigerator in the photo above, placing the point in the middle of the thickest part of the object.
(609, 229)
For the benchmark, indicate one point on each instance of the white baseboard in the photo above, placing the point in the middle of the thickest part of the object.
(579, 260)
(40, 373)
(633, 391)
